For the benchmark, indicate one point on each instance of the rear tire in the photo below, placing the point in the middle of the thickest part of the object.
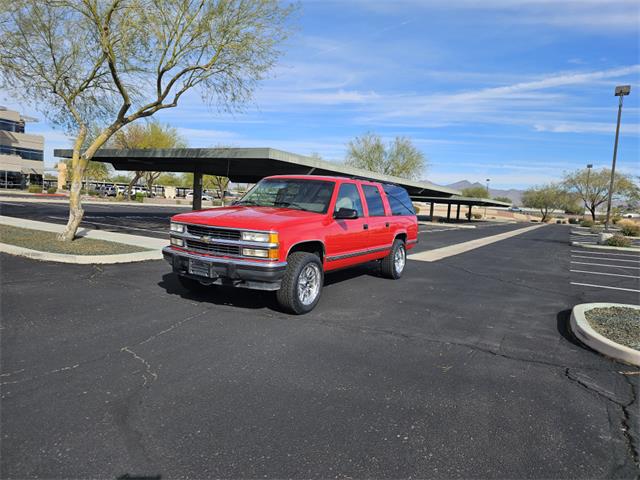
(193, 285)
(301, 284)
(393, 264)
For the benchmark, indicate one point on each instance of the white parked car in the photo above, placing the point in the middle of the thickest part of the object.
(205, 196)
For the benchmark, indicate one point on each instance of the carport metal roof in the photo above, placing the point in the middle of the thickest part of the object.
(247, 165)
(459, 200)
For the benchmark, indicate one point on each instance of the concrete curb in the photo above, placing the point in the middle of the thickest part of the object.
(590, 337)
(605, 248)
(136, 240)
(80, 259)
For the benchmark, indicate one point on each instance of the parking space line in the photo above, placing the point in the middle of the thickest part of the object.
(609, 259)
(605, 273)
(605, 286)
(604, 265)
(608, 253)
(458, 248)
(122, 227)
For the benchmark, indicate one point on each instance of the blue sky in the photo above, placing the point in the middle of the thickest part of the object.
(513, 90)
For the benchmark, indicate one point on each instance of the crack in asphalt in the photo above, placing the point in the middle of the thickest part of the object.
(148, 374)
(625, 421)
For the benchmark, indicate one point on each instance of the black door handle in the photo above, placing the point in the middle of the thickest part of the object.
(365, 226)
(386, 224)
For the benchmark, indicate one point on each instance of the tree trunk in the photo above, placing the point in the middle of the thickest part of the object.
(133, 181)
(78, 166)
(593, 213)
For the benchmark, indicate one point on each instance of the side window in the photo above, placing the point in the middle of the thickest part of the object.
(349, 197)
(374, 201)
(399, 200)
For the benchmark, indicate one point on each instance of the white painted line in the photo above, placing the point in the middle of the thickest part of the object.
(603, 273)
(604, 258)
(457, 249)
(607, 253)
(605, 265)
(605, 286)
(13, 204)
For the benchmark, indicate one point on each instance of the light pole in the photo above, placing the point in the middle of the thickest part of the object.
(620, 91)
(489, 197)
(589, 167)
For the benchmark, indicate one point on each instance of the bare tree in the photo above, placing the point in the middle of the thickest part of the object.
(107, 63)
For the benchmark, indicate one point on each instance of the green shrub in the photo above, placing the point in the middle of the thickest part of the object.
(618, 240)
(119, 197)
(93, 193)
(573, 221)
(596, 229)
(35, 188)
(629, 228)
(586, 223)
(178, 202)
(139, 197)
(52, 190)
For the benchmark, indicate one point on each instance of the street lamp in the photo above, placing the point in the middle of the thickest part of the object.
(620, 91)
(589, 167)
(488, 196)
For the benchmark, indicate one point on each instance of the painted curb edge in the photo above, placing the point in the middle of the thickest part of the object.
(80, 259)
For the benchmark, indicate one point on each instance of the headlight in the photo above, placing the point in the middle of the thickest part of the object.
(255, 252)
(178, 242)
(177, 227)
(260, 237)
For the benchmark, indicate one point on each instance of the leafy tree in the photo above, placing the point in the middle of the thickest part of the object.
(149, 135)
(475, 192)
(399, 158)
(503, 199)
(101, 65)
(592, 188)
(545, 198)
(170, 179)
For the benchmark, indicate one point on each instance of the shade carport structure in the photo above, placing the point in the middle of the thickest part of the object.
(246, 165)
(458, 201)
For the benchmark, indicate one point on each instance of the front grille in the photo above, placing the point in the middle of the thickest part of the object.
(221, 233)
(213, 248)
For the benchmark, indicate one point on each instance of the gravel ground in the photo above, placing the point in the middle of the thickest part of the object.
(47, 242)
(619, 324)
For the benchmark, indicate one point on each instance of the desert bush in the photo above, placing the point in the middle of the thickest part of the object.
(618, 240)
(573, 221)
(629, 228)
(596, 229)
(52, 190)
(93, 193)
(477, 216)
(139, 197)
(35, 188)
(416, 208)
(586, 223)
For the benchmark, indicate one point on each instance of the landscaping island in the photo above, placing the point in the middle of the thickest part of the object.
(618, 324)
(47, 242)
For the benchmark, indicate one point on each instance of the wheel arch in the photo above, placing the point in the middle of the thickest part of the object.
(310, 246)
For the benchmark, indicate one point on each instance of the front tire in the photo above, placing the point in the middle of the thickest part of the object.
(394, 263)
(301, 284)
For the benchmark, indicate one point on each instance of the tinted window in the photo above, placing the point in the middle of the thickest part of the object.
(399, 200)
(374, 201)
(349, 197)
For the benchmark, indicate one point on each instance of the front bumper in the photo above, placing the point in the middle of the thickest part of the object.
(226, 271)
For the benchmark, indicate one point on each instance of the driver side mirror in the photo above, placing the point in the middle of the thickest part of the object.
(345, 214)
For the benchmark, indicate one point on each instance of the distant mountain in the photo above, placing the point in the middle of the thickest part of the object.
(513, 194)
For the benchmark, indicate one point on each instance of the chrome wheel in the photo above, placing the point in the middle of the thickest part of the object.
(399, 258)
(309, 284)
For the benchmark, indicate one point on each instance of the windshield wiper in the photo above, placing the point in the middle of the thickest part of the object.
(249, 202)
(292, 205)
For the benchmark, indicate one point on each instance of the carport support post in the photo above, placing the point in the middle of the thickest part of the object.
(431, 212)
(448, 212)
(458, 212)
(470, 207)
(197, 191)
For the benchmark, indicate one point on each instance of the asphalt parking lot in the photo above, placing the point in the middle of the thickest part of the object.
(464, 368)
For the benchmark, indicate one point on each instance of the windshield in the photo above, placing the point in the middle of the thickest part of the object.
(307, 195)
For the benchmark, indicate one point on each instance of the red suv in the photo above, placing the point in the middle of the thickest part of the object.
(288, 230)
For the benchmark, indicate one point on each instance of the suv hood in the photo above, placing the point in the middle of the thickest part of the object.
(248, 217)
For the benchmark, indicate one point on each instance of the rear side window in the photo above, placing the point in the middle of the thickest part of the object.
(399, 200)
(374, 200)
